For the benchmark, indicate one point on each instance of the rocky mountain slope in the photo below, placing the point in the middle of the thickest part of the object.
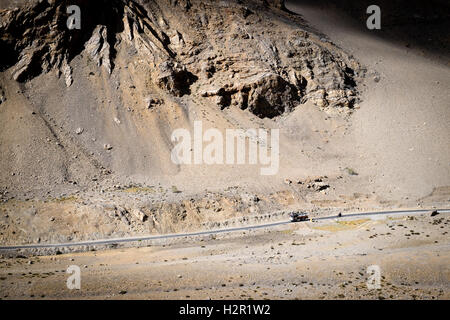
(272, 68)
(110, 94)
(86, 117)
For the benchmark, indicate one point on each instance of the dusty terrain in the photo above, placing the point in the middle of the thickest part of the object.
(308, 260)
(86, 119)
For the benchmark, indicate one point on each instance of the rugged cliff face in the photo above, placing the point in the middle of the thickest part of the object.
(239, 54)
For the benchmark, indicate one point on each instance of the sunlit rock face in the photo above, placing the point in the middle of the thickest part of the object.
(255, 53)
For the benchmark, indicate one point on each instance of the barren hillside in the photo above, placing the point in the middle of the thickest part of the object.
(87, 115)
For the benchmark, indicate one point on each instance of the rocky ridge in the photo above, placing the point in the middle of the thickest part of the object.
(236, 53)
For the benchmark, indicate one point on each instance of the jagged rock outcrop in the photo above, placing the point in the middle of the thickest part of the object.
(257, 57)
(98, 47)
(35, 38)
(264, 94)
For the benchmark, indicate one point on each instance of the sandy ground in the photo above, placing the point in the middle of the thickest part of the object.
(307, 260)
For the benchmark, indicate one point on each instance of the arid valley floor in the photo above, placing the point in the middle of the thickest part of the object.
(308, 260)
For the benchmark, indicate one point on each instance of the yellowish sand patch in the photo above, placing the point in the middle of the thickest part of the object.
(342, 225)
(288, 232)
(140, 190)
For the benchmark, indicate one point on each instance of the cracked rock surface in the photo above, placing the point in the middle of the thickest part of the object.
(256, 58)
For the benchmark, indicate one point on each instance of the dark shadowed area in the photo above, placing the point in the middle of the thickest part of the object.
(416, 24)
